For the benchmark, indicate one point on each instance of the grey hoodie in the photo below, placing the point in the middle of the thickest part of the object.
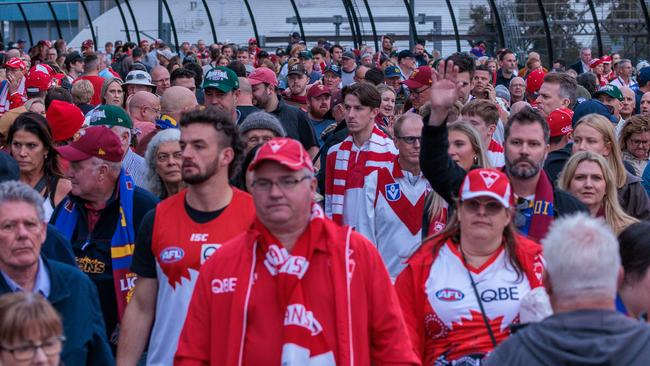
(584, 337)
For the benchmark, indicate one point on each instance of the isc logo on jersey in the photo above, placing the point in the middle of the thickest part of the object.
(449, 294)
(172, 254)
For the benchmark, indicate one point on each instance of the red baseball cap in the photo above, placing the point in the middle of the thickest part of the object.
(595, 62)
(559, 121)
(41, 77)
(285, 151)
(487, 183)
(263, 75)
(87, 43)
(93, 141)
(535, 80)
(252, 40)
(65, 119)
(606, 59)
(16, 63)
(419, 78)
(317, 91)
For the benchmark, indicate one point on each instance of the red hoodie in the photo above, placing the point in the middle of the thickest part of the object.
(231, 322)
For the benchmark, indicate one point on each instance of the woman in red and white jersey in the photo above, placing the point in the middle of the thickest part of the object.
(462, 289)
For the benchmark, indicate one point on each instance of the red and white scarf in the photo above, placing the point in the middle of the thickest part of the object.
(303, 340)
(347, 169)
(6, 98)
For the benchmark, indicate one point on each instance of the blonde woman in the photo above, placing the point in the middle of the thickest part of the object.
(595, 133)
(635, 142)
(587, 176)
(465, 148)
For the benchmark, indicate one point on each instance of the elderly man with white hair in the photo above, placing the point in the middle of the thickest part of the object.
(583, 269)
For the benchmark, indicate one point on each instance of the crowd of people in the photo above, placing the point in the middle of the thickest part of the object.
(322, 205)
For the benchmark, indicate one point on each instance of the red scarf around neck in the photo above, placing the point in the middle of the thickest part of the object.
(303, 339)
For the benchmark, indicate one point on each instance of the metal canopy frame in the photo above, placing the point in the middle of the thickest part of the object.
(351, 8)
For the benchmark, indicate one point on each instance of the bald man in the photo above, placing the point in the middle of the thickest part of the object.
(629, 102)
(14, 52)
(173, 103)
(144, 109)
(160, 77)
(176, 100)
(245, 99)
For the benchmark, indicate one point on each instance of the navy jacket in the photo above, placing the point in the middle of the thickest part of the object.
(75, 298)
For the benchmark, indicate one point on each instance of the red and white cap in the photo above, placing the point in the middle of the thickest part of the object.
(487, 183)
(559, 121)
(16, 63)
(285, 151)
(41, 77)
(606, 59)
(595, 62)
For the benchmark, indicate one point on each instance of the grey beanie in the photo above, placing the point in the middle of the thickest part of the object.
(262, 121)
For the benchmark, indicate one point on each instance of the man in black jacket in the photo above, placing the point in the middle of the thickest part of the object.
(526, 147)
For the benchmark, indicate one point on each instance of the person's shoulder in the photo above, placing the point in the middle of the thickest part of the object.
(142, 196)
(72, 276)
(565, 203)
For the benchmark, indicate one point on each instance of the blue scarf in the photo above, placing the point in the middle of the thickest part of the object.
(121, 244)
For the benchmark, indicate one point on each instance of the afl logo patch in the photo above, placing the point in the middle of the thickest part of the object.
(449, 294)
(171, 255)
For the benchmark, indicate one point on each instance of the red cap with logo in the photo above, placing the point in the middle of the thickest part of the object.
(487, 183)
(559, 121)
(41, 77)
(606, 59)
(263, 75)
(535, 80)
(16, 63)
(285, 151)
(65, 119)
(419, 78)
(252, 41)
(87, 43)
(94, 141)
(317, 91)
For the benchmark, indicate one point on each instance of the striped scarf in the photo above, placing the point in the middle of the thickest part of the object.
(121, 242)
(6, 99)
(347, 169)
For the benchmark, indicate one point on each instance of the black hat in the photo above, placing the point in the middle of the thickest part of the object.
(72, 57)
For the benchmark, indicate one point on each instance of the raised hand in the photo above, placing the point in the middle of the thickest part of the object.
(444, 91)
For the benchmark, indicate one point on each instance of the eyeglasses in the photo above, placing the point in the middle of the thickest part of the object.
(522, 205)
(11, 227)
(157, 110)
(50, 347)
(410, 139)
(420, 91)
(285, 184)
(490, 207)
(164, 157)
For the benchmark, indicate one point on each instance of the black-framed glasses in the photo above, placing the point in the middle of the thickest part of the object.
(420, 91)
(285, 184)
(410, 139)
(51, 346)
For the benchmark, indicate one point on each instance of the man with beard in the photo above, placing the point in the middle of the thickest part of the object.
(297, 78)
(526, 146)
(319, 98)
(181, 233)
